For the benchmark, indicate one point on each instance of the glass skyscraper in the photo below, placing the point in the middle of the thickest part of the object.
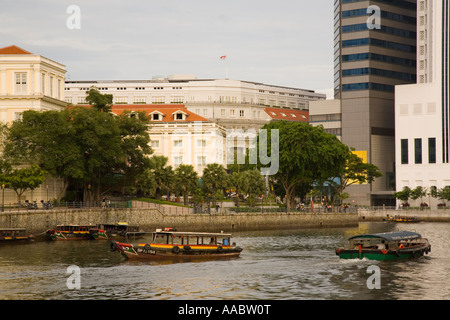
(375, 48)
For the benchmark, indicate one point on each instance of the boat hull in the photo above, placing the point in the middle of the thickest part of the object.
(148, 252)
(26, 239)
(384, 255)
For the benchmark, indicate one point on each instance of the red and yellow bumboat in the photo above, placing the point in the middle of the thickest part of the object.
(171, 244)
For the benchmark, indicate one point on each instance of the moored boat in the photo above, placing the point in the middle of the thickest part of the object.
(121, 230)
(398, 218)
(75, 232)
(385, 246)
(15, 235)
(180, 245)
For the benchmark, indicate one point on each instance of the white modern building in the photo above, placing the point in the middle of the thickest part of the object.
(422, 110)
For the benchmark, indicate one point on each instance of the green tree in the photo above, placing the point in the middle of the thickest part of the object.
(81, 145)
(186, 178)
(23, 179)
(418, 192)
(254, 187)
(214, 179)
(306, 154)
(238, 182)
(355, 171)
(403, 195)
(101, 102)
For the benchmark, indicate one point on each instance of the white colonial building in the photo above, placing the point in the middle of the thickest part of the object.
(233, 104)
(30, 82)
(181, 135)
(422, 110)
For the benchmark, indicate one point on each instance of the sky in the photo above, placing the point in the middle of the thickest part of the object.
(283, 42)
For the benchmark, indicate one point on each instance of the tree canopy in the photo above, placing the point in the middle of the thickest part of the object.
(82, 145)
(306, 154)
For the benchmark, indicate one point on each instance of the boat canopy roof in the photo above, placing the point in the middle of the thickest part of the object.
(193, 234)
(389, 236)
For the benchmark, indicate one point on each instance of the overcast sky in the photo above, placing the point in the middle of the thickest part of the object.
(283, 42)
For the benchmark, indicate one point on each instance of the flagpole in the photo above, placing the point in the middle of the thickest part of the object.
(226, 66)
(226, 71)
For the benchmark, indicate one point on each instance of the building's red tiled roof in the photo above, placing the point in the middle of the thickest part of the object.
(287, 114)
(167, 110)
(13, 50)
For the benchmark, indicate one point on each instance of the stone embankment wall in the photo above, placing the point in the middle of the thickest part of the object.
(149, 219)
(429, 215)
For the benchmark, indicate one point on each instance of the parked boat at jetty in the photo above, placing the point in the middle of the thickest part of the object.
(170, 244)
(398, 218)
(75, 232)
(15, 235)
(385, 246)
(121, 230)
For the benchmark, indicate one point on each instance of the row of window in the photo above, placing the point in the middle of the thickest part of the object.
(404, 145)
(380, 72)
(367, 86)
(398, 3)
(385, 29)
(384, 14)
(379, 43)
(380, 58)
(201, 143)
(47, 84)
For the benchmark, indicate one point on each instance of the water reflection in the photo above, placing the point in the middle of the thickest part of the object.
(297, 264)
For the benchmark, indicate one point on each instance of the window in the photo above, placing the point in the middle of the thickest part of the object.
(176, 99)
(231, 112)
(155, 143)
(201, 160)
(241, 113)
(418, 151)
(155, 116)
(431, 150)
(201, 143)
(21, 83)
(177, 160)
(43, 83)
(139, 100)
(404, 151)
(222, 112)
(51, 87)
(178, 143)
(159, 100)
(179, 116)
(121, 100)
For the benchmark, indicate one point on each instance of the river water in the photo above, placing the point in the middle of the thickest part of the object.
(274, 265)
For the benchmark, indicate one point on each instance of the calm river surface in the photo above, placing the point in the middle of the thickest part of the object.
(274, 265)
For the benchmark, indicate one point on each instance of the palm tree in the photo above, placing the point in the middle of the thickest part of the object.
(187, 179)
(162, 173)
(214, 179)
